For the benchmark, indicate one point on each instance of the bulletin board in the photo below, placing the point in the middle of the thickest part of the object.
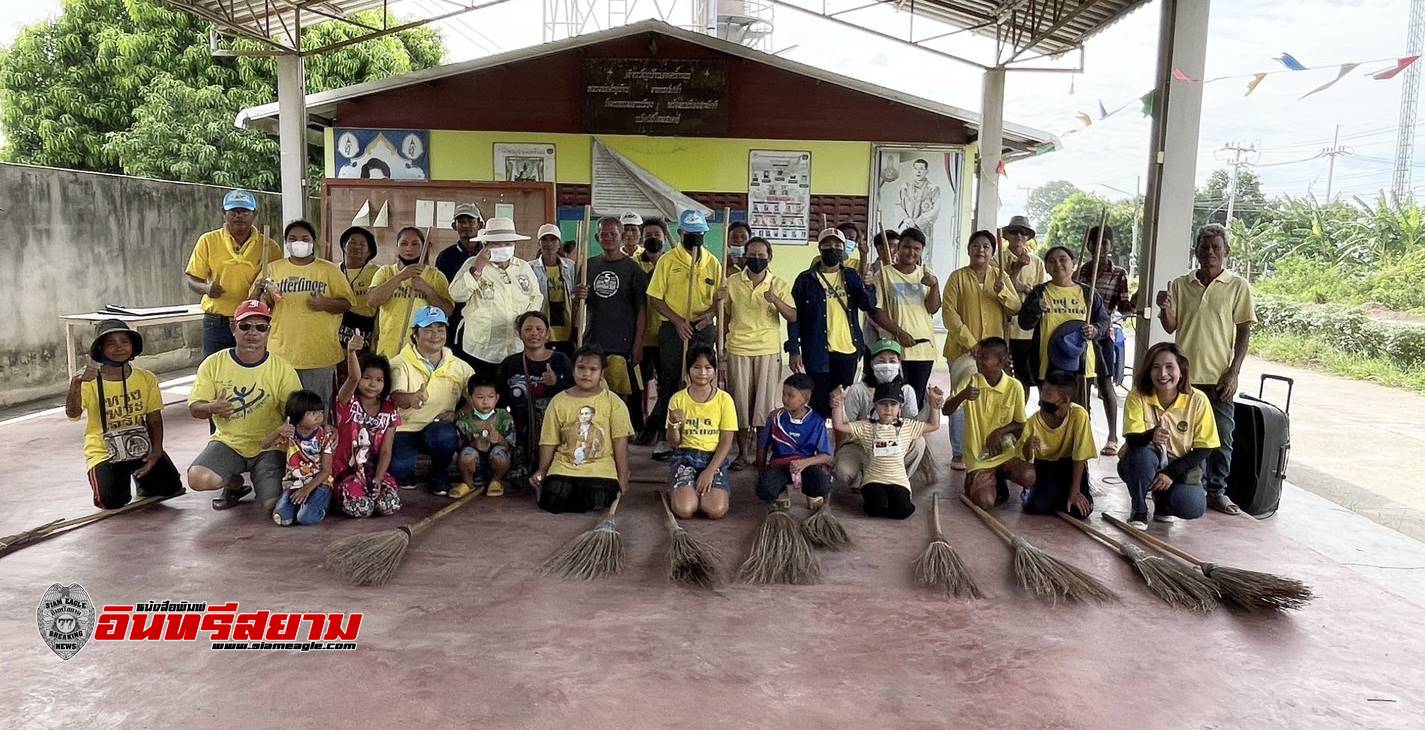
(530, 204)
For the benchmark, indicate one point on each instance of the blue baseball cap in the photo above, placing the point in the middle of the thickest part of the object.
(428, 316)
(239, 200)
(692, 221)
(1067, 346)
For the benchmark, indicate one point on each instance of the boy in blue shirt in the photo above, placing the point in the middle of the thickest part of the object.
(795, 448)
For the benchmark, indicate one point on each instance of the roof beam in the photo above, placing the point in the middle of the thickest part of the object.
(1064, 21)
(880, 34)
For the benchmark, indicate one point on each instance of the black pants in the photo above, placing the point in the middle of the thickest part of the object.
(816, 482)
(917, 375)
(842, 373)
(1052, 482)
(1020, 355)
(560, 494)
(887, 500)
(670, 369)
(110, 481)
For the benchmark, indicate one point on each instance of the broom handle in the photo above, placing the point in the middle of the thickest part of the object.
(45, 530)
(688, 313)
(425, 523)
(722, 303)
(934, 517)
(581, 252)
(668, 517)
(989, 519)
(1097, 251)
(1148, 539)
(410, 296)
(613, 508)
(1097, 534)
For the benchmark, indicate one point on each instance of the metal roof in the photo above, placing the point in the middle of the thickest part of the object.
(1043, 27)
(323, 106)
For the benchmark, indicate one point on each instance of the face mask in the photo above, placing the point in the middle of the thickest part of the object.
(886, 371)
(1049, 408)
(482, 415)
(692, 240)
(830, 256)
(299, 249)
(407, 262)
(653, 245)
(850, 247)
(756, 266)
(737, 251)
(501, 254)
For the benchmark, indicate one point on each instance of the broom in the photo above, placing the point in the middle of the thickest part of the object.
(371, 559)
(1246, 588)
(780, 554)
(690, 560)
(1042, 574)
(593, 554)
(1179, 586)
(940, 567)
(49, 529)
(822, 529)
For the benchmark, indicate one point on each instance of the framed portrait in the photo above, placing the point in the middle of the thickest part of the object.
(921, 187)
(519, 162)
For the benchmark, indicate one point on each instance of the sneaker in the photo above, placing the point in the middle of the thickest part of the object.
(783, 502)
(460, 490)
(815, 503)
(1169, 519)
(958, 463)
(662, 450)
(1138, 520)
(496, 489)
(440, 490)
(280, 522)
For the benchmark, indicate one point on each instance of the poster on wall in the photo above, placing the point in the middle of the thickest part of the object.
(921, 187)
(382, 154)
(524, 162)
(779, 195)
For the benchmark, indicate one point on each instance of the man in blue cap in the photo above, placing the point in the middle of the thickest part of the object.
(224, 264)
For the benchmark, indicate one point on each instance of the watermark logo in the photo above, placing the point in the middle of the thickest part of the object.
(66, 618)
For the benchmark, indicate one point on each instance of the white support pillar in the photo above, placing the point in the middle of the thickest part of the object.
(292, 134)
(991, 142)
(1172, 166)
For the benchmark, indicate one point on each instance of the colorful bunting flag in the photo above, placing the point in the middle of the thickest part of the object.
(1340, 74)
(1180, 76)
(1252, 85)
(1086, 119)
(1102, 112)
(999, 169)
(1290, 62)
(1148, 101)
(1400, 65)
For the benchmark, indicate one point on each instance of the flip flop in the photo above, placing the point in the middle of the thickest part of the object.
(230, 497)
(1109, 449)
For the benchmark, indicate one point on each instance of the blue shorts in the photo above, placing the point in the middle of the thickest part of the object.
(687, 464)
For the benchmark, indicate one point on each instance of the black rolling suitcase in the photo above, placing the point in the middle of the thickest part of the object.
(1261, 445)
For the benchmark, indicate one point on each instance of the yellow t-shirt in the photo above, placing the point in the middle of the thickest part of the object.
(1073, 439)
(142, 399)
(583, 430)
(838, 328)
(258, 393)
(1191, 424)
(703, 423)
(304, 337)
(445, 384)
(671, 275)
(216, 257)
(360, 283)
(998, 406)
(391, 333)
(1207, 321)
(886, 447)
(558, 301)
(909, 310)
(1032, 275)
(973, 311)
(652, 320)
(754, 325)
(1062, 304)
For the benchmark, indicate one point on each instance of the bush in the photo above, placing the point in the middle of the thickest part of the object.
(1345, 328)
(1398, 283)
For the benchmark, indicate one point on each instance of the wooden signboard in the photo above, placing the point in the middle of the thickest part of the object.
(655, 97)
(412, 203)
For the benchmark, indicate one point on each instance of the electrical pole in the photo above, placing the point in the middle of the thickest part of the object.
(1334, 151)
(1239, 155)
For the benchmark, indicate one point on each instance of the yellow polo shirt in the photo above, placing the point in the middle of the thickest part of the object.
(755, 326)
(998, 406)
(1191, 424)
(1062, 304)
(360, 283)
(216, 257)
(1073, 439)
(1032, 275)
(1207, 320)
(305, 337)
(491, 303)
(671, 277)
(445, 384)
(392, 333)
(258, 393)
(973, 311)
(703, 423)
(909, 311)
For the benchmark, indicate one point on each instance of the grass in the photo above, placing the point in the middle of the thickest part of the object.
(1316, 353)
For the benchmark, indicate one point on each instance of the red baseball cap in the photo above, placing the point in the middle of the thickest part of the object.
(251, 308)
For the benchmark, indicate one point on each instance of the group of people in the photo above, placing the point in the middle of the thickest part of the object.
(325, 383)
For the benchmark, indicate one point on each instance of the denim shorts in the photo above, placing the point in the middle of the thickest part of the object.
(687, 464)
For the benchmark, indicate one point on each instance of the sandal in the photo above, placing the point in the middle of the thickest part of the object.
(230, 497)
(1110, 448)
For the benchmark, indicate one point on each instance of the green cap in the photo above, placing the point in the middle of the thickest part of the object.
(887, 346)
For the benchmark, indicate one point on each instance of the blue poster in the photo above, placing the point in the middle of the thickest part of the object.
(382, 154)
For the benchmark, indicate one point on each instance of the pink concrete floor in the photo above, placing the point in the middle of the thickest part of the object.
(468, 635)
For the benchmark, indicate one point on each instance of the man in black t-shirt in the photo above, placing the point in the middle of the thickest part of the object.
(616, 308)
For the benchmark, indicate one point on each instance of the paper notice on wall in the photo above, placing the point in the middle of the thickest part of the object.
(425, 213)
(381, 217)
(779, 196)
(445, 213)
(363, 216)
(505, 210)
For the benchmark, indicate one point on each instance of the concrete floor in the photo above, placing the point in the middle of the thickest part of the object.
(468, 635)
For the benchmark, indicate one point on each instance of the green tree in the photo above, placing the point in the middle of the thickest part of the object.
(1043, 200)
(1071, 220)
(1210, 203)
(129, 86)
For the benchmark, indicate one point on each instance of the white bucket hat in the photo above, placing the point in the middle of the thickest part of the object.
(499, 230)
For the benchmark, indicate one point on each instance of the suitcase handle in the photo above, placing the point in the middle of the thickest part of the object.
(1290, 383)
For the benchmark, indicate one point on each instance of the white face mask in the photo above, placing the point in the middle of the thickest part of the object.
(299, 249)
(886, 371)
(501, 254)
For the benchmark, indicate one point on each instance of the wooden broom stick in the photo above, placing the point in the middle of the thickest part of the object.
(722, 359)
(14, 542)
(581, 252)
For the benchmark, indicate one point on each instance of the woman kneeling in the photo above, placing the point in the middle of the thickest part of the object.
(1170, 430)
(583, 443)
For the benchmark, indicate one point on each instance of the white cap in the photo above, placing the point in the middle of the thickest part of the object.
(831, 233)
(630, 218)
(550, 229)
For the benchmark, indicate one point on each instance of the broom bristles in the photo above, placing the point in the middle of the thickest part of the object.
(780, 554)
(940, 567)
(1258, 591)
(369, 559)
(592, 554)
(1051, 579)
(823, 530)
(1178, 585)
(691, 560)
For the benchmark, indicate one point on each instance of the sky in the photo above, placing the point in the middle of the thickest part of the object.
(1108, 157)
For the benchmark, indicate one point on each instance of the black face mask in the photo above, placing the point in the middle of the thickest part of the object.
(692, 240)
(653, 245)
(756, 266)
(831, 256)
(1049, 408)
(407, 262)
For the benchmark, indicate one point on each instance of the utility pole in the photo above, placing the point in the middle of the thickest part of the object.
(1238, 157)
(1334, 151)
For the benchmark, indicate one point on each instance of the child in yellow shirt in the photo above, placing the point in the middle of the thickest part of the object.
(1057, 444)
(994, 416)
(702, 422)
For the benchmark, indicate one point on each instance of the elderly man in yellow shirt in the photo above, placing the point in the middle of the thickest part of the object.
(495, 289)
(1210, 311)
(223, 266)
(758, 301)
(977, 303)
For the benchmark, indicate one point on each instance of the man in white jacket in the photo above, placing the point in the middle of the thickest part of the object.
(492, 289)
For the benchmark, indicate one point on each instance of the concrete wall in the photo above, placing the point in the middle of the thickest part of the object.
(75, 241)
